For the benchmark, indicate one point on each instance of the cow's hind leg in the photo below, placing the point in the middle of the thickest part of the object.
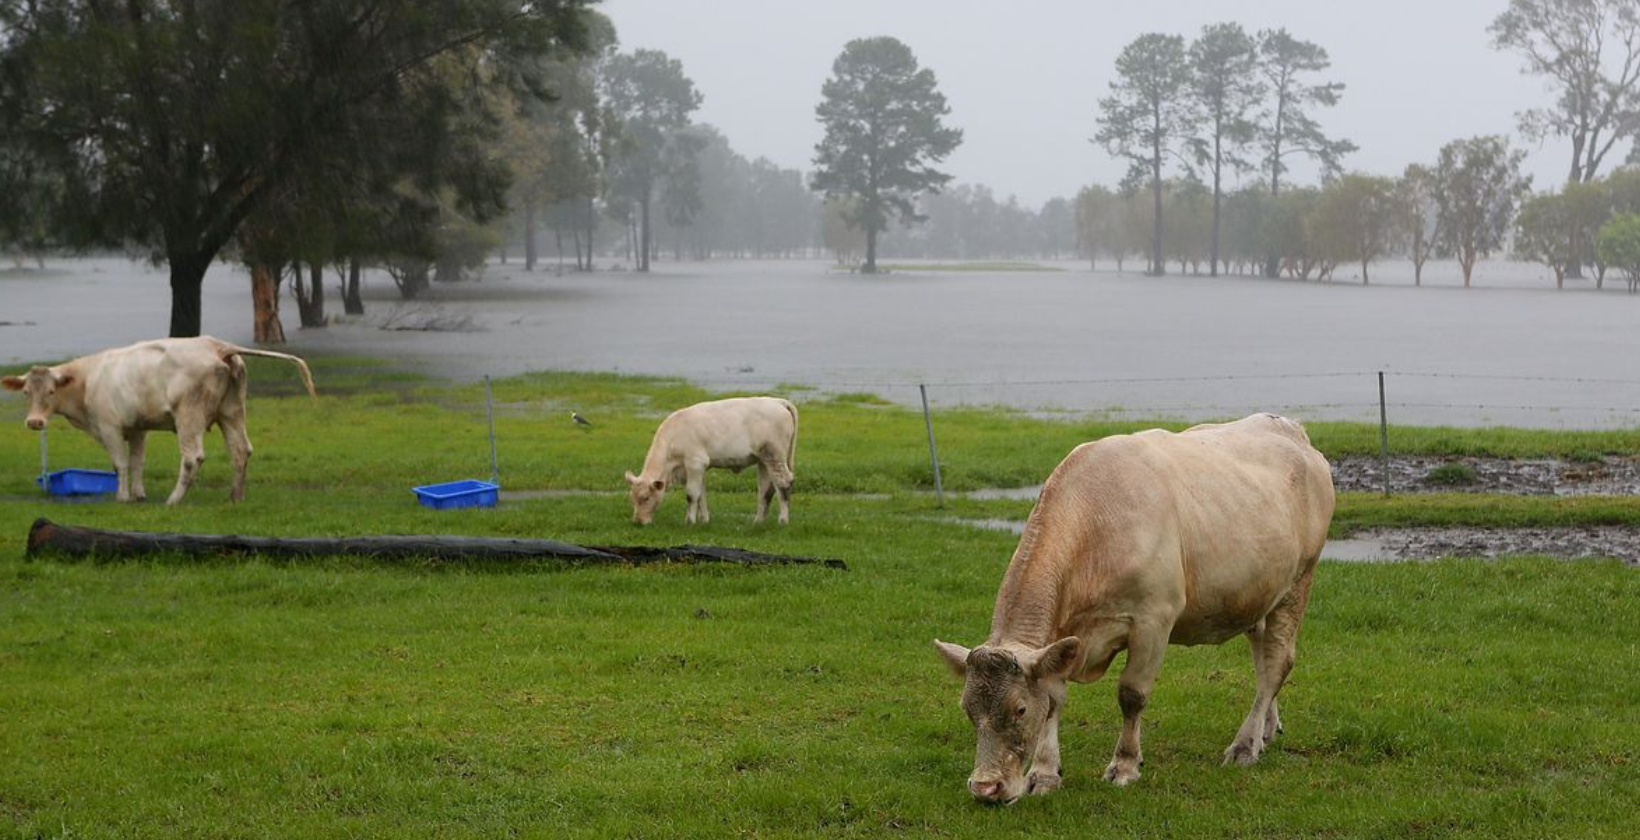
(191, 428)
(239, 453)
(781, 476)
(1147, 643)
(1274, 642)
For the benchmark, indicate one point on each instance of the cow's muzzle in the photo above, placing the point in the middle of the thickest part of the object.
(35, 423)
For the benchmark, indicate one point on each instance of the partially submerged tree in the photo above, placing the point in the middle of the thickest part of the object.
(1355, 219)
(1224, 87)
(884, 133)
(1540, 233)
(1477, 186)
(1618, 245)
(1144, 120)
(649, 100)
(1287, 126)
(169, 122)
(1420, 216)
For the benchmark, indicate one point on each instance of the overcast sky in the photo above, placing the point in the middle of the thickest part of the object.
(1023, 78)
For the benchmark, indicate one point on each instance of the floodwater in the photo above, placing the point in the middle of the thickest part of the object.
(1512, 351)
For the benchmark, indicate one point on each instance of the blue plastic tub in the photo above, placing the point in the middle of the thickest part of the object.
(79, 482)
(457, 494)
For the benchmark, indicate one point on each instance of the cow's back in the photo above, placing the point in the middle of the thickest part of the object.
(141, 385)
(1218, 521)
(729, 431)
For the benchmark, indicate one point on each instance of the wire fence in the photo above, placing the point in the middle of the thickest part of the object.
(1409, 397)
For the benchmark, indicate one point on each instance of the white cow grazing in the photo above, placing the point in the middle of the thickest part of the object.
(1141, 541)
(183, 385)
(734, 434)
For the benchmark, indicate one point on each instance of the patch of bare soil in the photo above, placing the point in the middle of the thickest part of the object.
(1610, 476)
(1573, 543)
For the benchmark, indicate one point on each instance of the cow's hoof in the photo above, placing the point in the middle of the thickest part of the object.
(1244, 754)
(1121, 773)
(1038, 784)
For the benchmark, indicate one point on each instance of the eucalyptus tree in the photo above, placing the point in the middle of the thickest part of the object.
(1287, 125)
(1356, 219)
(1478, 184)
(169, 122)
(883, 116)
(1145, 119)
(1540, 233)
(650, 99)
(1225, 87)
(1420, 218)
(1588, 51)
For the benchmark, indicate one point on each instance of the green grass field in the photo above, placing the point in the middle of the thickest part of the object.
(251, 698)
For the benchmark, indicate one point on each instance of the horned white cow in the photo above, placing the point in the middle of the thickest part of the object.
(733, 434)
(1141, 541)
(183, 385)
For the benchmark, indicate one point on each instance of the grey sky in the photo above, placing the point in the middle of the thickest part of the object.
(1023, 78)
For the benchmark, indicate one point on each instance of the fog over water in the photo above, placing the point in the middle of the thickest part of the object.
(1023, 80)
(1511, 351)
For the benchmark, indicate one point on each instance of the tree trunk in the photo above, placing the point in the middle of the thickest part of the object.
(310, 297)
(352, 301)
(871, 252)
(48, 538)
(265, 303)
(643, 234)
(1157, 267)
(1363, 272)
(529, 236)
(187, 283)
(1218, 173)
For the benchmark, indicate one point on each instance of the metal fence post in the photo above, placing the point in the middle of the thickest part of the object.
(933, 453)
(45, 465)
(1383, 433)
(489, 416)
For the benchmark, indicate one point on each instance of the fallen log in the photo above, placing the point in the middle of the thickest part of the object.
(47, 537)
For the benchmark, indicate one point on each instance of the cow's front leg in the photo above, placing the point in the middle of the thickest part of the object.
(694, 489)
(138, 441)
(765, 492)
(1146, 645)
(119, 456)
(1045, 766)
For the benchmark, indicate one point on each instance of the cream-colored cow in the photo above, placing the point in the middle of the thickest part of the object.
(183, 385)
(1141, 541)
(733, 434)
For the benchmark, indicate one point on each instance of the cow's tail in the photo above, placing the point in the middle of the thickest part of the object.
(301, 366)
(791, 450)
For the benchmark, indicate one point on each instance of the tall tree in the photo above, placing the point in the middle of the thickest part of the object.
(1145, 118)
(1224, 87)
(1287, 125)
(883, 118)
(170, 121)
(650, 99)
(1420, 218)
(1478, 183)
(1589, 51)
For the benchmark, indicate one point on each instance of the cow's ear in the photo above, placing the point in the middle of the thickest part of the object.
(658, 485)
(630, 478)
(12, 383)
(65, 380)
(1057, 659)
(954, 656)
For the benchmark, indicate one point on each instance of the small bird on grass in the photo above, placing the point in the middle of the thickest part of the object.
(585, 424)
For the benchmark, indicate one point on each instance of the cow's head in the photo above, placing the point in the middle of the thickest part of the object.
(40, 385)
(1009, 693)
(646, 497)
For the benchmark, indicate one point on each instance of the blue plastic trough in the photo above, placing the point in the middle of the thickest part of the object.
(79, 482)
(457, 494)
